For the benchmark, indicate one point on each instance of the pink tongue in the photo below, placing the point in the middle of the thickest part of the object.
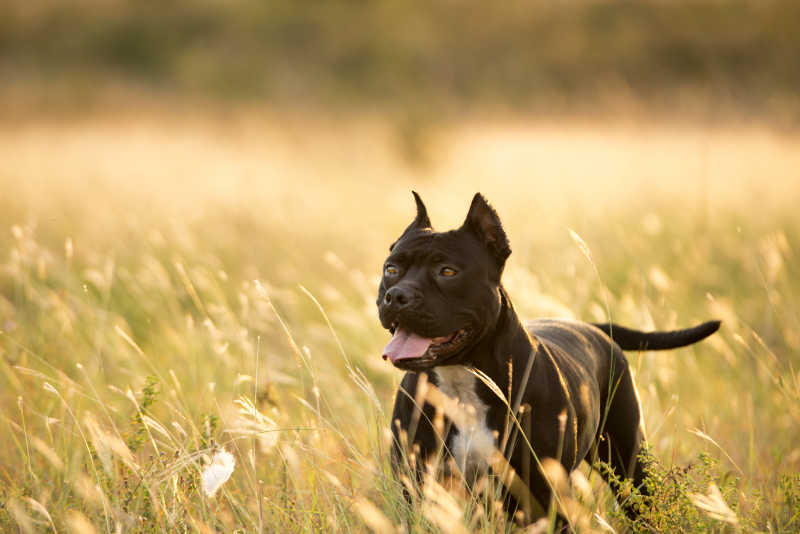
(404, 345)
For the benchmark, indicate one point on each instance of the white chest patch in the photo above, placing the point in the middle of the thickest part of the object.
(472, 446)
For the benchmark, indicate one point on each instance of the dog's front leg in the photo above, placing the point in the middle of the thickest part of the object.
(420, 434)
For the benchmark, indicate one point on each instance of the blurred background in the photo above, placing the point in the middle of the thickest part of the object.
(159, 158)
(705, 58)
(246, 96)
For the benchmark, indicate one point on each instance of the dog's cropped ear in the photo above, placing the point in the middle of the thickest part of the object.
(483, 221)
(421, 222)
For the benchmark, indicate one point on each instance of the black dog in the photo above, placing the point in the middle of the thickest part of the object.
(441, 298)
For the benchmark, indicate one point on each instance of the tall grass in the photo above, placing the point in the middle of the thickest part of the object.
(174, 286)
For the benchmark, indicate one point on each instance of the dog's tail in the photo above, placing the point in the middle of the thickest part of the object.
(629, 339)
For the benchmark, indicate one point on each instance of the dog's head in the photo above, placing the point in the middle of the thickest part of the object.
(440, 291)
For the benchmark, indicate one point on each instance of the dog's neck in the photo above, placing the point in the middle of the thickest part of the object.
(506, 339)
(471, 446)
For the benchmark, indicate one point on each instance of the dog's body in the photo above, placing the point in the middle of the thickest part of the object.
(442, 299)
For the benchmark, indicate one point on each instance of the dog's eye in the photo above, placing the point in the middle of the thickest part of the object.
(390, 270)
(447, 271)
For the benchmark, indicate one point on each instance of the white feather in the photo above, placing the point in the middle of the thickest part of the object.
(218, 471)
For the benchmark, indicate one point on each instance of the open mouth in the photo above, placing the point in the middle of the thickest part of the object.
(406, 345)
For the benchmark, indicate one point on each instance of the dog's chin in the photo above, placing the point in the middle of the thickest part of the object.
(447, 352)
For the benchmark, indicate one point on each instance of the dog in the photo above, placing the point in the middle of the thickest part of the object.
(563, 388)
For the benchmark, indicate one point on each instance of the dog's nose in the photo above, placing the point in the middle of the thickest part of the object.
(397, 297)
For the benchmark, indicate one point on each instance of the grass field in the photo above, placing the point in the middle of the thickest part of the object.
(173, 283)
